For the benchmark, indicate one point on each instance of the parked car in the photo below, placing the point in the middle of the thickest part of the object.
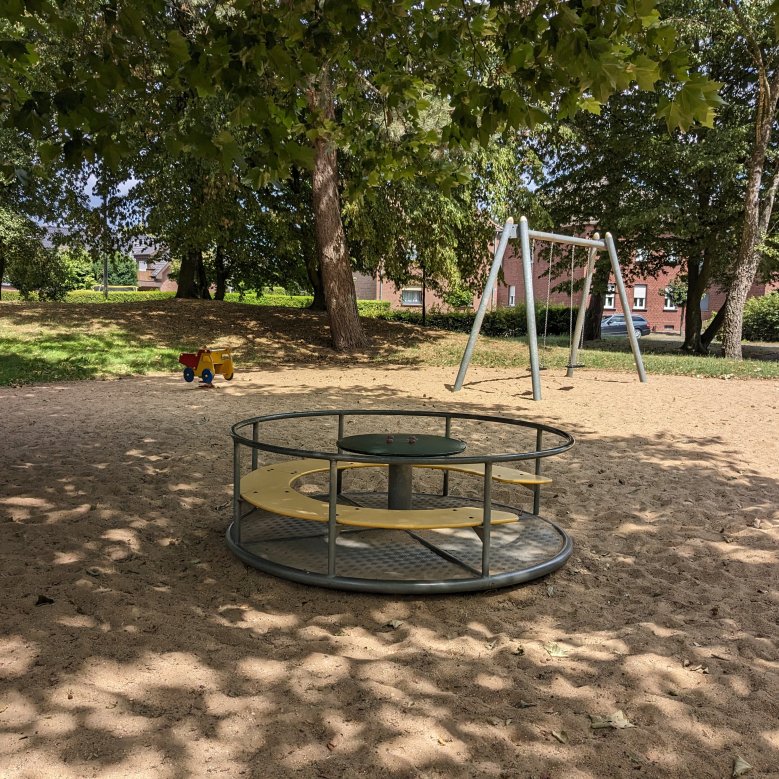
(614, 326)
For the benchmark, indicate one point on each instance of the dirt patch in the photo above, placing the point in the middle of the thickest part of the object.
(134, 644)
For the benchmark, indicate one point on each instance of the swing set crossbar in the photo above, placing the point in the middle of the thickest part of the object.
(572, 240)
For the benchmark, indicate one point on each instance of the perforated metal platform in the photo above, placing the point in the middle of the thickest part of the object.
(394, 561)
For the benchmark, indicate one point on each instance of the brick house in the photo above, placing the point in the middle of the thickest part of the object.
(647, 295)
(152, 273)
(408, 296)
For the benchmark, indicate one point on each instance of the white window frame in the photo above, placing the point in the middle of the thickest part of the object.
(639, 301)
(668, 302)
(512, 295)
(142, 266)
(418, 297)
(610, 298)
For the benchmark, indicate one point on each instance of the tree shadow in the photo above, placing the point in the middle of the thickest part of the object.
(260, 335)
(163, 655)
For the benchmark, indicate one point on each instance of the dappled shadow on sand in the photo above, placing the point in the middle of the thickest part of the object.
(162, 655)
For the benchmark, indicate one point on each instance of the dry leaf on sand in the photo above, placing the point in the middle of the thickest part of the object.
(617, 720)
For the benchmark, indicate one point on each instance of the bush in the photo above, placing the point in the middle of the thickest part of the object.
(43, 272)
(374, 309)
(502, 322)
(761, 318)
(269, 299)
(97, 296)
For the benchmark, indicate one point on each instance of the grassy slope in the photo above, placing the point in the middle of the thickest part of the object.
(49, 342)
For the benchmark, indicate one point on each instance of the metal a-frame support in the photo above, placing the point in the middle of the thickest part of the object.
(525, 235)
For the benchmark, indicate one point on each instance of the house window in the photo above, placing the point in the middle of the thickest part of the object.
(512, 295)
(668, 302)
(608, 301)
(142, 265)
(639, 296)
(705, 302)
(411, 297)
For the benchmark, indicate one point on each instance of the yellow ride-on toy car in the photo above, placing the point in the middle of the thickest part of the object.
(207, 363)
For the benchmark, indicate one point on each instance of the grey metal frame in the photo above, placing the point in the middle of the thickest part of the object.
(484, 579)
(594, 244)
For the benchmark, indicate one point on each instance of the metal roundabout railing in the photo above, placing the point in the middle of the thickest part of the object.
(393, 540)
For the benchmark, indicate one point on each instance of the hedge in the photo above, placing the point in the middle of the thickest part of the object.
(367, 308)
(761, 318)
(91, 296)
(505, 322)
(88, 296)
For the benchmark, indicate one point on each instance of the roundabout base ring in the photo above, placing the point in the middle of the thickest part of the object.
(398, 561)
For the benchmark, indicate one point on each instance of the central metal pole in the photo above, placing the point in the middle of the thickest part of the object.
(400, 486)
(530, 308)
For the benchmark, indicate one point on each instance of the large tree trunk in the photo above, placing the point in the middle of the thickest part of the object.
(192, 282)
(744, 271)
(2, 271)
(752, 232)
(221, 273)
(594, 313)
(713, 328)
(314, 273)
(697, 281)
(340, 295)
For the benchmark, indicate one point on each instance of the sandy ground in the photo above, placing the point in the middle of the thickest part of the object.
(161, 655)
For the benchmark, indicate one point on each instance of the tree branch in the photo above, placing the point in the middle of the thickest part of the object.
(768, 204)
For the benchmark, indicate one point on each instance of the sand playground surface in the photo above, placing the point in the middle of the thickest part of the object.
(134, 644)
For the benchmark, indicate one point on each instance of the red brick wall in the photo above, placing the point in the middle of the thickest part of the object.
(365, 286)
(368, 288)
(660, 319)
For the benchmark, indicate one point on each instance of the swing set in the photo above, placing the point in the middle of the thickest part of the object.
(593, 246)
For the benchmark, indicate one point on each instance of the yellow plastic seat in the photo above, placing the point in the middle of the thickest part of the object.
(270, 488)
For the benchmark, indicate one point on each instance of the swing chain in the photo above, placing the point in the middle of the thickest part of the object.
(548, 292)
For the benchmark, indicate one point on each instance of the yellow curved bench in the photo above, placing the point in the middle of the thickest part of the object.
(270, 488)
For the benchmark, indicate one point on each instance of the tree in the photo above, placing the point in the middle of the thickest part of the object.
(674, 198)
(757, 84)
(416, 231)
(122, 270)
(302, 82)
(20, 240)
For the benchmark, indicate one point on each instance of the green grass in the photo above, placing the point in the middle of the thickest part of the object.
(660, 357)
(57, 355)
(52, 342)
(367, 308)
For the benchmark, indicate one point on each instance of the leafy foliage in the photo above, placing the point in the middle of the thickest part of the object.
(761, 318)
(44, 272)
(502, 322)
